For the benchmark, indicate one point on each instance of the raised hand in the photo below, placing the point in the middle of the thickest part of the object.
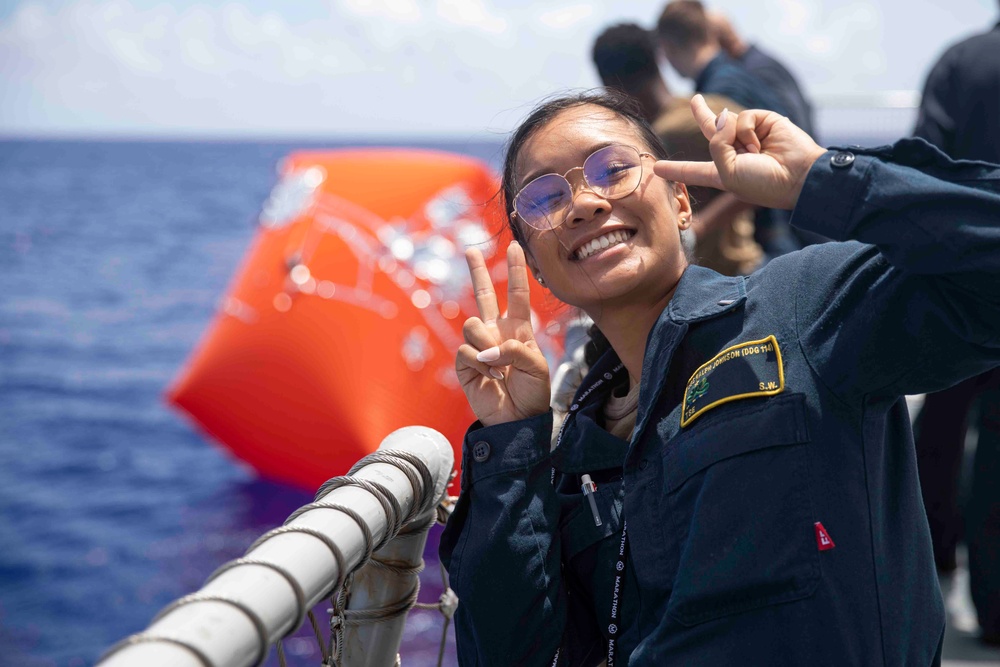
(759, 156)
(500, 366)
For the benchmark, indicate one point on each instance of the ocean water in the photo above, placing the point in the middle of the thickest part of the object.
(113, 258)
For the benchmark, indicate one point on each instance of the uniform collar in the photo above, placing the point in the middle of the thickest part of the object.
(702, 293)
(585, 446)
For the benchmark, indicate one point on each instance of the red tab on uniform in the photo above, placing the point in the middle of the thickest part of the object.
(823, 540)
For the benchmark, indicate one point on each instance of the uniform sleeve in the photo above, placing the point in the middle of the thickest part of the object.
(915, 306)
(501, 548)
(935, 120)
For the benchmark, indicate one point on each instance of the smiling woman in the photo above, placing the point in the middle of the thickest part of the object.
(607, 160)
(751, 430)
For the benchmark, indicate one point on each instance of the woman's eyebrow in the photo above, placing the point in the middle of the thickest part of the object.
(542, 171)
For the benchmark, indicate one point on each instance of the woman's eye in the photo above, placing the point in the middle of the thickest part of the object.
(614, 171)
(546, 202)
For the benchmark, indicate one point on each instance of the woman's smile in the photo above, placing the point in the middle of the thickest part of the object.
(598, 245)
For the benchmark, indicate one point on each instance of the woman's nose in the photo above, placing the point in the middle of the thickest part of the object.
(587, 203)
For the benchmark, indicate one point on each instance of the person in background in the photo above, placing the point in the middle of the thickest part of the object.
(960, 114)
(766, 67)
(626, 59)
(693, 50)
(960, 106)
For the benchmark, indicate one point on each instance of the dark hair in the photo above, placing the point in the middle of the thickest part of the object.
(684, 24)
(625, 56)
(612, 100)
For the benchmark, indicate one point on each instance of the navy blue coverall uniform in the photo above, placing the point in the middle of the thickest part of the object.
(770, 486)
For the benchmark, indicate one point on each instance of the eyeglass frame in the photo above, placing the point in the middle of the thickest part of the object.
(586, 183)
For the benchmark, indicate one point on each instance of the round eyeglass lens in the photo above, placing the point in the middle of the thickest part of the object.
(541, 202)
(614, 172)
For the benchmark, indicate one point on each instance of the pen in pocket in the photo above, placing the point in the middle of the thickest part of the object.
(589, 488)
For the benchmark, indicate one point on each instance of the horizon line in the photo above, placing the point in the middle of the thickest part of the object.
(483, 137)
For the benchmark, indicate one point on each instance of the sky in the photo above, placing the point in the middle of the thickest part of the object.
(403, 68)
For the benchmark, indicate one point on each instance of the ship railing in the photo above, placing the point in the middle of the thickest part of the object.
(359, 544)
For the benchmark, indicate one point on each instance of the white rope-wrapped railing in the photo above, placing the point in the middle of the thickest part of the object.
(379, 513)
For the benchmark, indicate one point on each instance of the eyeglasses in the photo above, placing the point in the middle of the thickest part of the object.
(611, 172)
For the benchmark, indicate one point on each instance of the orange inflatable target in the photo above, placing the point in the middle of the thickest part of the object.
(343, 321)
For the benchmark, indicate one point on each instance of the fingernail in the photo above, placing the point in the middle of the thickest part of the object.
(489, 354)
(720, 121)
(497, 374)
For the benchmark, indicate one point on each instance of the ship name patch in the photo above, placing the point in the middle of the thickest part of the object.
(741, 371)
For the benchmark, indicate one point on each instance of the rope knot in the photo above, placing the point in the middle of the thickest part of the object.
(448, 603)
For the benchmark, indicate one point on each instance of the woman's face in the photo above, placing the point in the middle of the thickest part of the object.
(644, 258)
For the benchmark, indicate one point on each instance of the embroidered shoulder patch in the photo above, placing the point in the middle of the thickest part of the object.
(741, 371)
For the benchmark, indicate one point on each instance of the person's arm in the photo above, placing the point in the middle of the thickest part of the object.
(917, 309)
(935, 118)
(501, 545)
(502, 551)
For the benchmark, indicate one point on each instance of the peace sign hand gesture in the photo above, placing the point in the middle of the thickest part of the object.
(759, 156)
(501, 369)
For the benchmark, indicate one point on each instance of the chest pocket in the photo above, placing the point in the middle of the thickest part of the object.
(579, 531)
(740, 516)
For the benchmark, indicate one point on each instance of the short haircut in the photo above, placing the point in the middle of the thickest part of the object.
(684, 24)
(625, 56)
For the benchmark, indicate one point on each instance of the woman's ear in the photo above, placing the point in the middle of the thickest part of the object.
(532, 266)
(682, 200)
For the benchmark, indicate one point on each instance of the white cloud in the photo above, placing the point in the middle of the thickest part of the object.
(795, 17)
(132, 53)
(819, 45)
(397, 66)
(31, 23)
(566, 17)
(227, 68)
(472, 14)
(403, 11)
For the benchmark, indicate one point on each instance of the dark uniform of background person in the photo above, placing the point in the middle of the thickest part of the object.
(773, 72)
(768, 69)
(693, 50)
(960, 114)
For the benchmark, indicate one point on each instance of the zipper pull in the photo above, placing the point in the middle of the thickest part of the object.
(589, 488)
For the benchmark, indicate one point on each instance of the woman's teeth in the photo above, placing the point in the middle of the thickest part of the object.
(602, 242)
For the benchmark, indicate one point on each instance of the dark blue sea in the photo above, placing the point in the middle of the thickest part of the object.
(113, 259)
